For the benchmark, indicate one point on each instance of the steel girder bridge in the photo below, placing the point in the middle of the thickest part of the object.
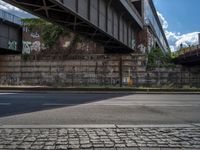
(114, 23)
(10, 33)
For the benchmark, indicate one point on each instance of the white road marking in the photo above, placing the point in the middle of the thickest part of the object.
(57, 104)
(7, 93)
(5, 104)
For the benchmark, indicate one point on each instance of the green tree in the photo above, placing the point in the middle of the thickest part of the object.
(157, 57)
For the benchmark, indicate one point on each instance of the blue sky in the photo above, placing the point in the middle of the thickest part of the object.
(180, 19)
(181, 15)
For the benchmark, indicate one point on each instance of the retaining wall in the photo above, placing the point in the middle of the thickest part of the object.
(102, 69)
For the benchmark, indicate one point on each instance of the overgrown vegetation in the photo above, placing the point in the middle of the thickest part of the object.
(182, 51)
(50, 32)
(157, 58)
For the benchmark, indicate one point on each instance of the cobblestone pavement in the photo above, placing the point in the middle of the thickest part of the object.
(139, 138)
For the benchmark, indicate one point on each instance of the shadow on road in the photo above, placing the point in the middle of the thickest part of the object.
(20, 103)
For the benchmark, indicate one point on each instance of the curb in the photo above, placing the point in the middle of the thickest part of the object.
(83, 126)
(98, 90)
(96, 126)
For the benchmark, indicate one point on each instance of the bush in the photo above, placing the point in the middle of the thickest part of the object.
(157, 58)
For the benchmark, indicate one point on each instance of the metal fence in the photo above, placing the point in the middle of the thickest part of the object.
(190, 51)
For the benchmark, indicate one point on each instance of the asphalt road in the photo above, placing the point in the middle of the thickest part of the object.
(54, 108)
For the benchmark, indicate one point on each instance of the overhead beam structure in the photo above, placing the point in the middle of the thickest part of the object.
(114, 23)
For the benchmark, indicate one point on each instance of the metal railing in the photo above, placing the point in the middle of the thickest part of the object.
(10, 17)
(189, 51)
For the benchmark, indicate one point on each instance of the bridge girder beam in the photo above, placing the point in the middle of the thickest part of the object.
(56, 11)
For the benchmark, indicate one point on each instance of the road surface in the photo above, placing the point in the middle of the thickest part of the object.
(60, 108)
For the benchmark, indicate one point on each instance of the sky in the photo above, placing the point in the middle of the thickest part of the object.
(13, 10)
(180, 19)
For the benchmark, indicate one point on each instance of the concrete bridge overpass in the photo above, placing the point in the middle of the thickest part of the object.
(10, 33)
(191, 57)
(114, 23)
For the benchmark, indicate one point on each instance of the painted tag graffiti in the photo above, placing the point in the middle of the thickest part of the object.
(26, 47)
(32, 41)
(31, 46)
(35, 35)
(12, 45)
(142, 48)
(36, 46)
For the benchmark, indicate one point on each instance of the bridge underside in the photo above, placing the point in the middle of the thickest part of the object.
(54, 11)
(191, 58)
(188, 61)
(10, 37)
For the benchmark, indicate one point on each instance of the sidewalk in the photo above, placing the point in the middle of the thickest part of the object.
(101, 137)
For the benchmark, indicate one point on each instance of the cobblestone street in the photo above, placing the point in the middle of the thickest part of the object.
(100, 138)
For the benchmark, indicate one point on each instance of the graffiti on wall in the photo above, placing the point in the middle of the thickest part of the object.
(26, 47)
(36, 46)
(142, 48)
(35, 35)
(31, 41)
(29, 46)
(12, 45)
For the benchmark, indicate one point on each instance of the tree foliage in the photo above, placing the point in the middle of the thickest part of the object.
(34, 22)
(157, 58)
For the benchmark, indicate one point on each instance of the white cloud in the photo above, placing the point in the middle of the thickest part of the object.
(163, 21)
(188, 39)
(14, 10)
(175, 39)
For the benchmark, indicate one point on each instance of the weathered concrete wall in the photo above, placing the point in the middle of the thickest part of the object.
(77, 70)
(92, 69)
(167, 77)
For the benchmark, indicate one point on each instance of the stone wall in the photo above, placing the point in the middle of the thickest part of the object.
(76, 70)
(93, 69)
(177, 76)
